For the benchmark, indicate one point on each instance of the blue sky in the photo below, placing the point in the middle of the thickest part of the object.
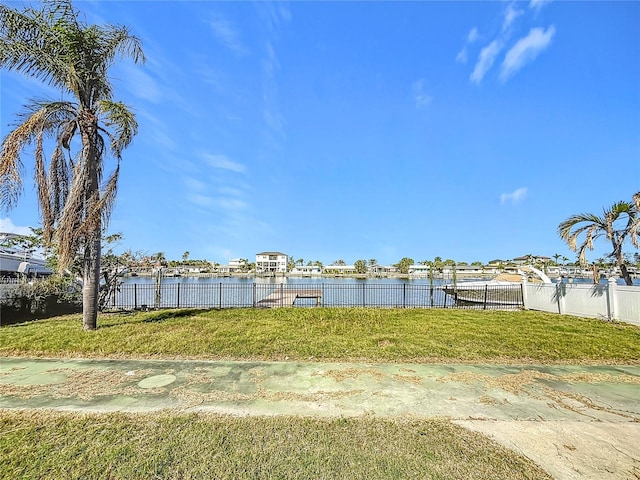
(360, 130)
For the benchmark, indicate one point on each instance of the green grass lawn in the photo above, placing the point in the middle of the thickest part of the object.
(190, 446)
(371, 335)
(177, 445)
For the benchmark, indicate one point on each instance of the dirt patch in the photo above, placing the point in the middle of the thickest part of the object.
(84, 384)
(416, 380)
(348, 373)
(192, 397)
(515, 382)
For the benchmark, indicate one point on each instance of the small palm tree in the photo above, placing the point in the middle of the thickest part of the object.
(619, 223)
(54, 46)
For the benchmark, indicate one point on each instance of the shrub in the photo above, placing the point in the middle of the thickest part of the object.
(30, 299)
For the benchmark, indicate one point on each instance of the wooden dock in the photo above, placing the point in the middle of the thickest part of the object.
(287, 297)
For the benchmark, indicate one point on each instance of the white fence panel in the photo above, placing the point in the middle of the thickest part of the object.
(609, 301)
(541, 297)
(584, 300)
(628, 304)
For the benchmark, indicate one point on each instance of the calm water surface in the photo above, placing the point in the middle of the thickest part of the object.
(225, 292)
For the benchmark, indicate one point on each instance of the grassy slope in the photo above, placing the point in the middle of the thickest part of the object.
(175, 445)
(375, 335)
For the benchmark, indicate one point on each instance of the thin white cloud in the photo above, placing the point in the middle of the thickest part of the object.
(421, 98)
(230, 204)
(275, 15)
(223, 162)
(462, 55)
(274, 120)
(227, 205)
(472, 37)
(526, 50)
(485, 61)
(226, 34)
(194, 184)
(7, 226)
(538, 4)
(514, 197)
(519, 52)
(230, 191)
(140, 83)
(201, 200)
(510, 16)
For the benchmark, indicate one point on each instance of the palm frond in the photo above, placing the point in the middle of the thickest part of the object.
(71, 226)
(123, 123)
(30, 41)
(10, 163)
(44, 195)
(565, 228)
(108, 199)
(58, 180)
(582, 258)
(634, 233)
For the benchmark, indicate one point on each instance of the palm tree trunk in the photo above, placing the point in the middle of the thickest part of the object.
(625, 273)
(92, 251)
(617, 251)
(91, 282)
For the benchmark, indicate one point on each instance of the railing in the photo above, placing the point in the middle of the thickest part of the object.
(236, 295)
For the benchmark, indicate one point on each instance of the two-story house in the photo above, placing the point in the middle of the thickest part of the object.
(271, 262)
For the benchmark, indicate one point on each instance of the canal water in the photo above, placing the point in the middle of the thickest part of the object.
(224, 292)
(227, 292)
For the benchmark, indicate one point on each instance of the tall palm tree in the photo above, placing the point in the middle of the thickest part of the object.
(54, 46)
(617, 224)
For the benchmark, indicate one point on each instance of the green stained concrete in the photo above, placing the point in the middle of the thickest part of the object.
(332, 389)
(539, 411)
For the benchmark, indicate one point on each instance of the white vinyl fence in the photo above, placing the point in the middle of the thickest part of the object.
(609, 301)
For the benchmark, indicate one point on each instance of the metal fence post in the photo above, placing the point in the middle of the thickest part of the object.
(178, 296)
(254, 295)
(135, 296)
(364, 294)
(404, 295)
(486, 288)
(220, 296)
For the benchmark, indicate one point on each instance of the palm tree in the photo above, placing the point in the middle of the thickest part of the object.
(160, 259)
(617, 224)
(54, 46)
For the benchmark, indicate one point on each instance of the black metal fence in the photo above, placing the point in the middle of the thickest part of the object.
(256, 295)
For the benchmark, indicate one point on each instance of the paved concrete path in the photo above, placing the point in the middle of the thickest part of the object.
(576, 422)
